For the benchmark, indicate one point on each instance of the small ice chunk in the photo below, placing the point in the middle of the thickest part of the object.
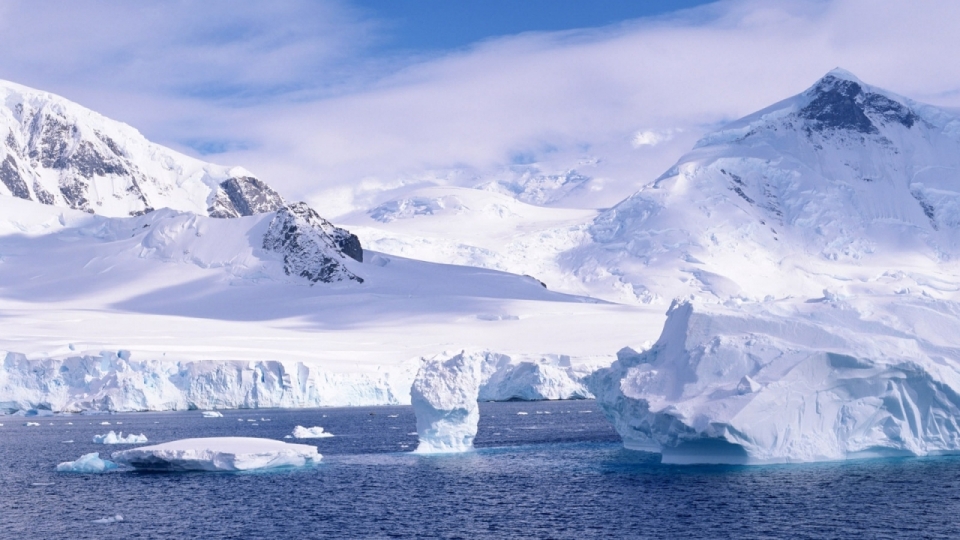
(393, 415)
(113, 438)
(88, 463)
(288, 436)
(104, 423)
(315, 432)
(522, 413)
(219, 454)
(32, 424)
(212, 414)
(748, 386)
(68, 442)
(111, 519)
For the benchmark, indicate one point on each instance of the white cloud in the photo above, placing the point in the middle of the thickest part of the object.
(318, 116)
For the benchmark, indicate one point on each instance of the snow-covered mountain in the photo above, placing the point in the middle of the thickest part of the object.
(58, 153)
(843, 185)
(816, 245)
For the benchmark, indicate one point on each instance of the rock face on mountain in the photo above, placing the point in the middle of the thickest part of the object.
(311, 246)
(779, 202)
(58, 153)
(244, 196)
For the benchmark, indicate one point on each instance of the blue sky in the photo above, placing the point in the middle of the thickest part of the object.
(345, 103)
(437, 25)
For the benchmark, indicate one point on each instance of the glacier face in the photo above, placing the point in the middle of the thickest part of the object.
(790, 382)
(121, 381)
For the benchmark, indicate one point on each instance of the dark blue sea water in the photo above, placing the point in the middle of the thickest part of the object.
(556, 475)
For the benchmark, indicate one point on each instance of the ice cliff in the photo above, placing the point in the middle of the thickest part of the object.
(789, 382)
(121, 381)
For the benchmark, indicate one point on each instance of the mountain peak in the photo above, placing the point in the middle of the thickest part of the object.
(840, 100)
(842, 74)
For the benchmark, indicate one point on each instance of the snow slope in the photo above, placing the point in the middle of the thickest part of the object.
(172, 310)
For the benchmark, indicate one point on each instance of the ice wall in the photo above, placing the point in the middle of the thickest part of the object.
(444, 398)
(121, 381)
(794, 382)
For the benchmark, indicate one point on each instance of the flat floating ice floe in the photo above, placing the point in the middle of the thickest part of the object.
(315, 432)
(219, 454)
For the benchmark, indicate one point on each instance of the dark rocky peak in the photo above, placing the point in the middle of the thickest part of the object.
(244, 196)
(841, 102)
(312, 247)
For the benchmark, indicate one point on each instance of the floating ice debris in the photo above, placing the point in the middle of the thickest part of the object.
(113, 438)
(41, 484)
(111, 519)
(69, 423)
(315, 432)
(219, 454)
(212, 414)
(393, 415)
(521, 413)
(88, 463)
(68, 442)
(104, 423)
(288, 436)
(254, 424)
(251, 419)
(239, 419)
(118, 423)
(32, 424)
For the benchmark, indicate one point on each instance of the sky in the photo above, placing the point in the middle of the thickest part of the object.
(348, 103)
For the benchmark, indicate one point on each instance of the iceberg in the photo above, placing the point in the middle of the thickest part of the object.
(212, 414)
(444, 397)
(790, 382)
(87, 463)
(315, 432)
(113, 438)
(219, 454)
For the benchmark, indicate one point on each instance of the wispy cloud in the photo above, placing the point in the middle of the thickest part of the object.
(293, 92)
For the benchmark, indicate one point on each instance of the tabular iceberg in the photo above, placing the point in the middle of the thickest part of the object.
(219, 454)
(315, 432)
(769, 383)
(114, 438)
(444, 398)
(87, 463)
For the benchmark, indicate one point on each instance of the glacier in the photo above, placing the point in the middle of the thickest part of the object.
(220, 454)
